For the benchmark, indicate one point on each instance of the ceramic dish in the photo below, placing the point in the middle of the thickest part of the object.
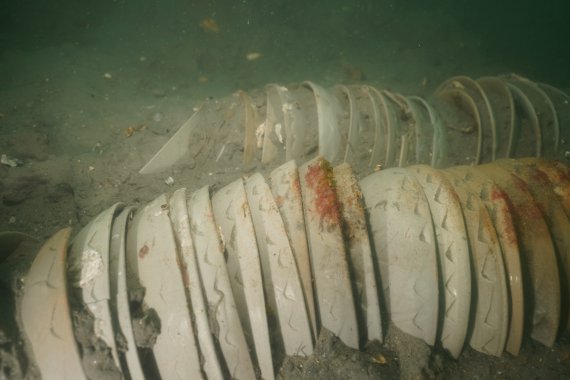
(286, 189)
(558, 222)
(453, 251)
(190, 274)
(333, 289)
(561, 102)
(462, 101)
(89, 272)
(545, 112)
(328, 110)
(537, 253)
(529, 139)
(423, 130)
(491, 306)
(359, 251)
(152, 263)
(405, 249)
(503, 110)
(283, 290)
(119, 300)
(232, 215)
(216, 286)
(487, 133)
(497, 205)
(45, 312)
(352, 145)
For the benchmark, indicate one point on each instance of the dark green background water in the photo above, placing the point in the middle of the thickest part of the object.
(529, 37)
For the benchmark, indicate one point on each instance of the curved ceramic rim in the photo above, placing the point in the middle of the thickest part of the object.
(556, 219)
(272, 147)
(563, 102)
(217, 287)
(491, 317)
(283, 290)
(439, 139)
(394, 144)
(329, 131)
(498, 207)
(353, 121)
(360, 253)
(333, 289)
(119, 301)
(46, 317)
(399, 217)
(250, 125)
(545, 111)
(293, 123)
(525, 105)
(152, 259)
(89, 266)
(380, 149)
(408, 134)
(446, 94)
(504, 114)
(286, 189)
(537, 252)
(559, 176)
(233, 216)
(193, 284)
(453, 252)
(422, 125)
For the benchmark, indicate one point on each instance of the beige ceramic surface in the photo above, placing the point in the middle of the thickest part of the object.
(216, 285)
(353, 123)
(152, 257)
(500, 212)
(561, 102)
(491, 307)
(407, 124)
(379, 150)
(232, 214)
(294, 119)
(273, 128)
(190, 273)
(119, 301)
(393, 139)
(283, 289)
(89, 270)
(542, 191)
(286, 189)
(453, 251)
(503, 111)
(453, 95)
(46, 317)
(559, 177)
(328, 111)
(423, 130)
(405, 250)
(487, 120)
(361, 263)
(529, 127)
(333, 288)
(545, 112)
(537, 253)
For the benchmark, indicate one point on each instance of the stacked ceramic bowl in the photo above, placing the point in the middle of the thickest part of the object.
(226, 284)
(466, 121)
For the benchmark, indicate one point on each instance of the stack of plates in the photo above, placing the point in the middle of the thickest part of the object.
(508, 116)
(466, 121)
(227, 284)
(478, 252)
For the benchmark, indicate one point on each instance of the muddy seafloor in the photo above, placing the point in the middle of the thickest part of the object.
(88, 93)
